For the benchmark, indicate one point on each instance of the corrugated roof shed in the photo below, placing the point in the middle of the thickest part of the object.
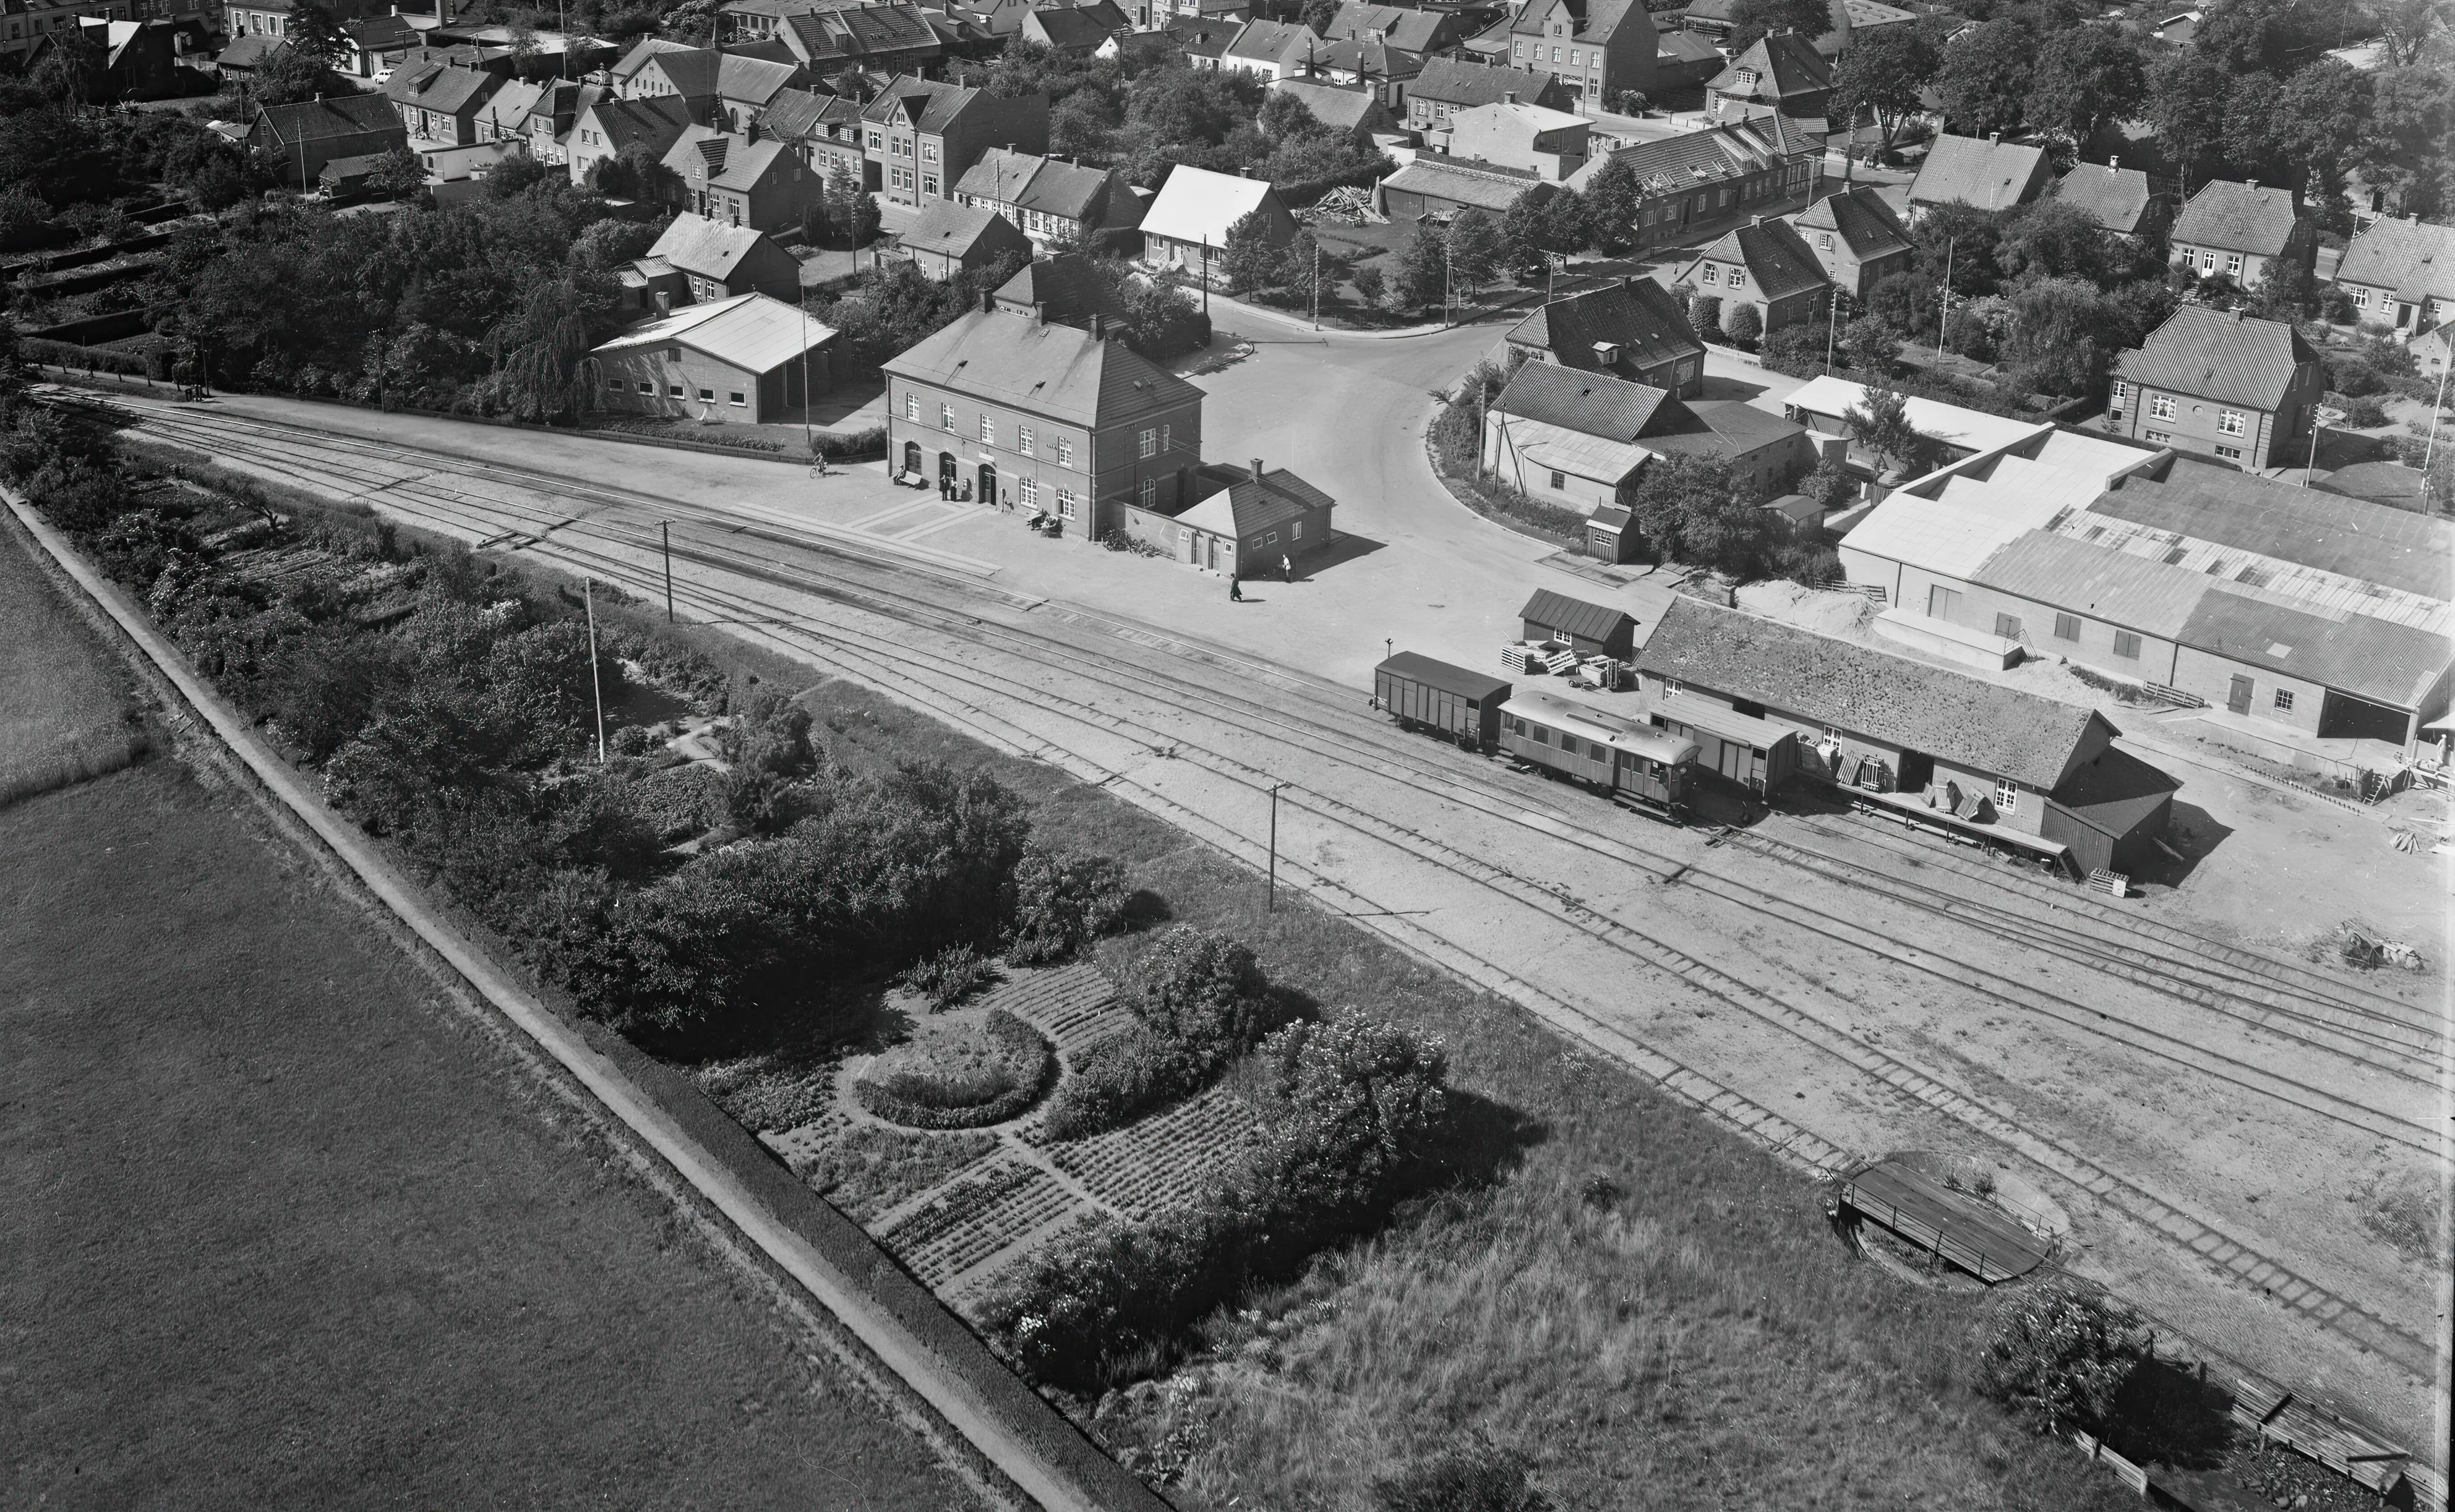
(1578, 617)
(1961, 719)
(2136, 592)
(1487, 187)
(2369, 658)
(2353, 537)
(749, 332)
(2237, 218)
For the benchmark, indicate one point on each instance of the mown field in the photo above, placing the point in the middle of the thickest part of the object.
(65, 706)
(286, 1232)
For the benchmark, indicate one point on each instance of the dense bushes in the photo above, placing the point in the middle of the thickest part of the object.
(1199, 1002)
(1345, 1112)
(967, 1080)
(2062, 1357)
(1063, 901)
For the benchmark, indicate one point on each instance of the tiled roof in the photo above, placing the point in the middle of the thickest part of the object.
(1488, 187)
(1376, 59)
(1333, 105)
(1640, 317)
(2115, 791)
(750, 331)
(710, 249)
(958, 230)
(655, 123)
(1596, 20)
(930, 106)
(862, 31)
(1778, 259)
(1673, 164)
(1861, 217)
(2352, 538)
(645, 49)
(1402, 26)
(1684, 47)
(1051, 370)
(796, 113)
(2220, 355)
(1248, 505)
(1741, 426)
(1027, 181)
(1067, 286)
(340, 115)
(249, 51)
(449, 90)
(2255, 218)
(2115, 198)
(733, 161)
(1197, 205)
(375, 33)
(1587, 621)
(1275, 41)
(1784, 66)
(1452, 82)
(1965, 171)
(1592, 403)
(1069, 29)
(1964, 720)
(2414, 260)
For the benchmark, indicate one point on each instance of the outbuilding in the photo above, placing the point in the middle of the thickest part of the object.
(1591, 630)
(748, 359)
(1242, 522)
(950, 239)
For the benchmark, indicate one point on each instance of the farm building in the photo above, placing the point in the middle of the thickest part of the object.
(1591, 630)
(2296, 612)
(741, 359)
(2036, 775)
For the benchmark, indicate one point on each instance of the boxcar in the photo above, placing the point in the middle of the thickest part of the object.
(1422, 694)
(1628, 760)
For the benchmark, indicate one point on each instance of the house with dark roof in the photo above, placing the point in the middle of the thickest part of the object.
(885, 36)
(2120, 199)
(924, 136)
(2400, 274)
(1590, 629)
(823, 131)
(1766, 264)
(1596, 49)
(1068, 289)
(742, 179)
(1408, 28)
(1245, 521)
(1634, 328)
(950, 239)
(1992, 174)
(1857, 238)
(1580, 439)
(270, 18)
(1354, 108)
(2219, 383)
(745, 360)
(1363, 64)
(1447, 85)
(1958, 752)
(2237, 231)
(1049, 199)
(719, 260)
(439, 105)
(1078, 30)
(1683, 60)
(306, 136)
(1781, 72)
(245, 56)
(1758, 166)
(1043, 417)
(606, 127)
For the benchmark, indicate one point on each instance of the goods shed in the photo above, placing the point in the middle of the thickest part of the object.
(743, 361)
(1591, 630)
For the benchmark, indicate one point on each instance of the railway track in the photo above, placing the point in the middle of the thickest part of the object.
(893, 664)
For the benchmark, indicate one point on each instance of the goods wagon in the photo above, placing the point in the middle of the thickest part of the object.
(1422, 694)
(1635, 763)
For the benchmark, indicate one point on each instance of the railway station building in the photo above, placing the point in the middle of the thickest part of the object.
(2034, 774)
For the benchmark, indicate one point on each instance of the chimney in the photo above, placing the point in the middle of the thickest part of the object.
(1995, 138)
(1039, 312)
(2253, 184)
(750, 132)
(989, 301)
(1756, 220)
(2112, 164)
(1257, 470)
(1509, 96)
(1099, 326)
(2237, 318)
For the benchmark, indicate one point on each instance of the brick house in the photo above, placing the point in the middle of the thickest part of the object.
(1856, 240)
(719, 261)
(1782, 72)
(1749, 166)
(1580, 439)
(950, 239)
(2240, 230)
(1187, 224)
(1766, 264)
(2120, 199)
(924, 136)
(1242, 522)
(1046, 417)
(2219, 383)
(1596, 49)
(1634, 328)
(1271, 51)
(823, 131)
(306, 136)
(440, 105)
(742, 179)
(2400, 274)
(1447, 85)
(606, 127)
(270, 18)
(892, 39)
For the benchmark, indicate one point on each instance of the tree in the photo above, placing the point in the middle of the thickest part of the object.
(2086, 77)
(1886, 70)
(1563, 227)
(399, 174)
(1751, 19)
(1743, 325)
(1474, 247)
(1883, 426)
(1985, 80)
(2185, 106)
(1612, 198)
(313, 35)
(1064, 902)
(2411, 111)
(852, 214)
(1348, 1101)
(2405, 27)
(1631, 102)
(2254, 36)
(289, 76)
(1250, 259)
(1202, 994)
(1422, 273)
(1871, 344)
(1521, 229)
(2051, 240)
(1705, 312)
(1691, 509)
(545, 367)
(2324, 113)
(2057, 343)
(2062, 1358)
(1369, 284)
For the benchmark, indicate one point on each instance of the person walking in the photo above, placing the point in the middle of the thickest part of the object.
(1235, 589)
(1287, 567)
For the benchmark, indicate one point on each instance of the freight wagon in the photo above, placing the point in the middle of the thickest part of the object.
(1422, 694)
(1635, 763)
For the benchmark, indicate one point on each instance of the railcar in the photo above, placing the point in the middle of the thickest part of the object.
(1635, 763)
(1422, 694)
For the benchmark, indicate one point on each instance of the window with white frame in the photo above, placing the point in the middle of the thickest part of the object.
(1150, 441)
(2160, 407)
(988, 431)
(911, 405)
(735, 400)
(1028, 492)
(1824, 239)
(1739, 278)
(1064, 451)
(707, 396)
(2231, 453)
(946, 417)
(2229, 422)
(1150, 493)
(2361, 298)
(2208, 262)
(2121, 392)
(2007, 796)
(1164, 443)
(1066, 503)
(1709, 275)
(1023, 439)
(2233, 264)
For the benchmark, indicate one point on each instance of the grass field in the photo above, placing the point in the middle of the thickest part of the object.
(66, 705)
(286, 1232)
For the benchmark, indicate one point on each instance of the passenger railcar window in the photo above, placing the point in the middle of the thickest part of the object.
(1542, 736)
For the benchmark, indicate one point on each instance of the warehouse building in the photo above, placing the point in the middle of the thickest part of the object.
(2033, 774)
(746, 360)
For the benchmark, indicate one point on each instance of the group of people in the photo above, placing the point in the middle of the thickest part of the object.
(1237, 581)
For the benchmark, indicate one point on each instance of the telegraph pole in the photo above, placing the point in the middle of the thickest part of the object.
(1944, 318)
(665, 529)
(1272, 905)
(595, 683)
